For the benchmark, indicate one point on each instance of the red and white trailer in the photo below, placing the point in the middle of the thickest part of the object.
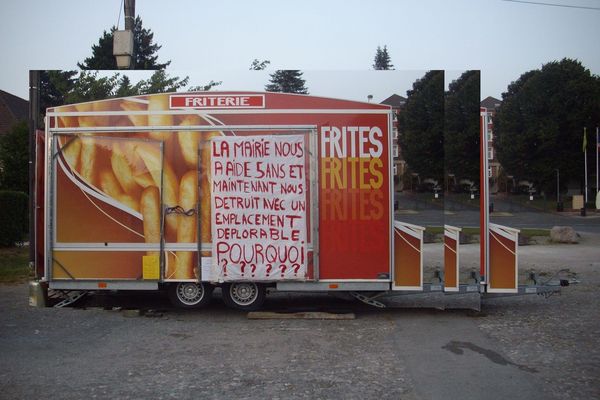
(243, 190)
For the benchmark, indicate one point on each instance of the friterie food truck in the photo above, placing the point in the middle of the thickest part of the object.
(244, 190)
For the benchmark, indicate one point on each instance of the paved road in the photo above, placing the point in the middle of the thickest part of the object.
(418, 212)
(217, 353)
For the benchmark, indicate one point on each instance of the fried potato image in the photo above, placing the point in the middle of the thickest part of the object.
(67, 122)
(188, 197)
(186, 226)
(136, 120)
(71, 150)
(205, 213)
(88, 160)
(123, 170)
(85, 121)
(150, 209)
(109, 184)
(102, 120)
(159, 103)
(129, 201)
(188, 141)
(154, 163)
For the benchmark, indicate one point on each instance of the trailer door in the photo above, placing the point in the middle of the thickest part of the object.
(258, 214)
(105, 224)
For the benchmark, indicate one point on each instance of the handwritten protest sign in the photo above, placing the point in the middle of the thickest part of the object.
(259, 206)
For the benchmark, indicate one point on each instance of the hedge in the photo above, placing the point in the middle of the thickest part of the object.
(14, 217)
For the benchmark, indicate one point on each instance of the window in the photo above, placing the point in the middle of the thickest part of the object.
(395, 133)
(490, 153)
(395, 151)
(395, 170)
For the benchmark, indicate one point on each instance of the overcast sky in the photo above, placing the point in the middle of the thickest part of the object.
(332, 41)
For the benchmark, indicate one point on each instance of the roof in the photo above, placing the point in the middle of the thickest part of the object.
(491, 103)
(12, 110)
(218, 101)
(396, 101)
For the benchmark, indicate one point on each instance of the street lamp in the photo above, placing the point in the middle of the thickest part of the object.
(123, 48)
(559, 206)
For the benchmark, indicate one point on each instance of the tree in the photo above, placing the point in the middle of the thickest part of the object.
(14, 157)
(89, 86)
(259, 65)
(144, 51)
(54, 86)
(461, 129)
(421, 126)
(287, 81)
(539, 126)
(160, 82)
(206, 87)
(382, 59)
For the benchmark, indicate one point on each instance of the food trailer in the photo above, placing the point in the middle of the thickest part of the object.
(246, 191)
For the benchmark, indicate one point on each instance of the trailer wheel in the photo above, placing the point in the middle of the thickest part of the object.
(190, 294)
(245, 296)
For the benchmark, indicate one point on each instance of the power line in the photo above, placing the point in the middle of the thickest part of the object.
(554, 5)
(119, 17)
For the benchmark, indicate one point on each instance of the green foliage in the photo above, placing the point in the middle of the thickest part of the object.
(14, 158)
(206, 87)
(64, 87)
(539, 126)
(13, 217)
(160, 82)
(421, 126)
(89, 86)
(259, 65)
(125, 88)
(54, 86)
(14, 264)
(287, 81)
(382, 59)
(461, 128)
(144, 50)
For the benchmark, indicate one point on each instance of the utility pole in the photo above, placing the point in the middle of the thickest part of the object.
(129, 9)
(34, 124)
(123, 46)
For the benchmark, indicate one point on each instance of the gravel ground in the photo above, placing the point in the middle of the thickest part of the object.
(517, 347)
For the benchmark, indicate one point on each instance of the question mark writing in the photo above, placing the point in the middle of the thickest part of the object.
(296, 267)
(253, 266)
(269, 267)
(224, 267)
(243, 267)
(282, 267)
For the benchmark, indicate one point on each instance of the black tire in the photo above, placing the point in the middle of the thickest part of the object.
(244, 296)
(190, 294)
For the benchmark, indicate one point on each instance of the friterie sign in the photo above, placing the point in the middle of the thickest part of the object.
(212, 101)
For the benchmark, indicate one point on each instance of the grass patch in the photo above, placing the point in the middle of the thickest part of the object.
(436, 230)
(534, 232)
(14, 264)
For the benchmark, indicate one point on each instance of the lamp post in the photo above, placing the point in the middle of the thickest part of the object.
(559, 206)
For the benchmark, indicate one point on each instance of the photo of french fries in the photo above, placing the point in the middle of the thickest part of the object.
(158, 174)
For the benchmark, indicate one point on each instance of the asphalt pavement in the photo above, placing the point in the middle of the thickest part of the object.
(415, 210)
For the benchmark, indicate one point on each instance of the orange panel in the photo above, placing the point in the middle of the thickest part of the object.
(97, 264)
(502, 262)
(407, 260)
(450, 264)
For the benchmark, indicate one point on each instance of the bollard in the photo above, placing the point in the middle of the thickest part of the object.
(38, 294)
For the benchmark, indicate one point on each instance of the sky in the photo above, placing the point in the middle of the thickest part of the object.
(333, 42)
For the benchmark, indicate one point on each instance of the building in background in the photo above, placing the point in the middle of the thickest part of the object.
(13, 109)
(492, 104)
(397, 103)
